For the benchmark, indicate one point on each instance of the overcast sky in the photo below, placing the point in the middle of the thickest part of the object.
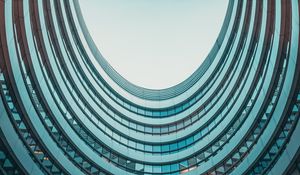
(154, 43)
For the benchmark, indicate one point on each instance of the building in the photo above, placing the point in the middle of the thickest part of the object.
(64, 110)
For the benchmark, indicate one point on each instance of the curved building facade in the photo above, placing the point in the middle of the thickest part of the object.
(65, 110)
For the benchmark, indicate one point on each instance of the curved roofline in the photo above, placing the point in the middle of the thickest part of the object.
(154, 94)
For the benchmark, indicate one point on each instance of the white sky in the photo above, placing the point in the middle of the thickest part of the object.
(154, 43)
